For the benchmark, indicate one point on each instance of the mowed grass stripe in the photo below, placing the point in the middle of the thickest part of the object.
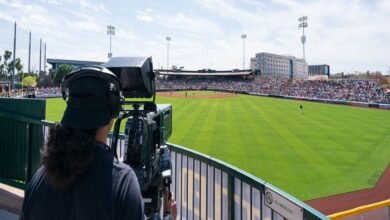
(202, 126)
(218, 138)
(185, 108)
(295, 132)
(226, 138)
(325, 121)
(258, 126)
(300, 178)
(327, 158)
(294, 162)
(292, 133)
(247, 143)
(192, 121)
(210, 130)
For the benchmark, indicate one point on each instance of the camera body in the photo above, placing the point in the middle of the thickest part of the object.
(135, 74)
(147, 129)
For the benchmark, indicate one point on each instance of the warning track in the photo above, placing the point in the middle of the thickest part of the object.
(345, 201)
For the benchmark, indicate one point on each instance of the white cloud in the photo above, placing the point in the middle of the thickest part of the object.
(85, 26)
(69, 35)
(343, 33)
(52, 2)
(143, 17)
(27, 8)
(6, 17)
(146, 15)
(99, 8)
(193, 25)
(125, 34)
(288, 3)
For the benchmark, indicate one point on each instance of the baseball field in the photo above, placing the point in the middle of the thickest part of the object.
(323, 150)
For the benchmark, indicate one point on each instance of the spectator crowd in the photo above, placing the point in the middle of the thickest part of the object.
(368, 91)
(48, 92)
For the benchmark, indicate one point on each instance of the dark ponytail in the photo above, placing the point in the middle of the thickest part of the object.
(67, 154)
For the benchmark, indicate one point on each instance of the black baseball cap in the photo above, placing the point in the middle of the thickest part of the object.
(88, 104)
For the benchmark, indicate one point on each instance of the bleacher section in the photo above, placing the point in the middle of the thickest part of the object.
(360, 91)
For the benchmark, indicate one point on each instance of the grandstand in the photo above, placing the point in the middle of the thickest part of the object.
(4, 86)
(349, 91)
(363, 91)
(205, 74)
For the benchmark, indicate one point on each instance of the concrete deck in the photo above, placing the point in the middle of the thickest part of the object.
(11, 200)
(5, 215)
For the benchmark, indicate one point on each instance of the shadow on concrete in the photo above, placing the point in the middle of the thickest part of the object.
(5, 215)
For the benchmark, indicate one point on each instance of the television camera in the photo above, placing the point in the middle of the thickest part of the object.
(147, 129)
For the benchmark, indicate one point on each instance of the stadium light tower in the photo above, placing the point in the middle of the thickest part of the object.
(13, 62)
(303, 24)
(29, 53)
(111, 32)
(168, 39)
(243, 37)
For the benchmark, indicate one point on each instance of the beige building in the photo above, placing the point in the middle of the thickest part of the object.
(279, 65)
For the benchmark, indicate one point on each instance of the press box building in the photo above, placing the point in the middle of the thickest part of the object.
(56, 63)
(279, 65)
(322, 69)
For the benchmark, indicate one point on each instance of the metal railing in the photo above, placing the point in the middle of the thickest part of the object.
(20, 141)
(208, 188)
(204, 187)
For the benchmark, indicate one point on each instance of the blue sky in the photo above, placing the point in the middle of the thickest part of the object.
(349, 35)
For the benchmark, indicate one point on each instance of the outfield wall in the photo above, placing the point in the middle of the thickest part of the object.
(377, 211)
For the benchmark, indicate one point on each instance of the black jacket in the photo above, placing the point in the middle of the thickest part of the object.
(107, 190)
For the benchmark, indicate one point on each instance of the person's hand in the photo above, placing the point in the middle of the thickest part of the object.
(169, 204)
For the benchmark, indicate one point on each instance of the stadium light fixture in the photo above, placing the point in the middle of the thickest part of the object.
(168, 39)
(302, 25)
(243, 37)
(111, 32)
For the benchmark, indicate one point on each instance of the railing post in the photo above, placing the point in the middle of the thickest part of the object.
(27, 147)
(251, 201)
(388, 212)
(230, 197)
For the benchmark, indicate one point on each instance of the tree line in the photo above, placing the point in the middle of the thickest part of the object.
(6, 65)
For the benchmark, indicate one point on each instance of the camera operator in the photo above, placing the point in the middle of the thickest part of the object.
(79, 177)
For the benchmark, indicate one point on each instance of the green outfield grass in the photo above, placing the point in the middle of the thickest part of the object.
(329, 149)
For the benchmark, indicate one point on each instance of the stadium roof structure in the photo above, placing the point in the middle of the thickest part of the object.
(73, 62)
(205, 72)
